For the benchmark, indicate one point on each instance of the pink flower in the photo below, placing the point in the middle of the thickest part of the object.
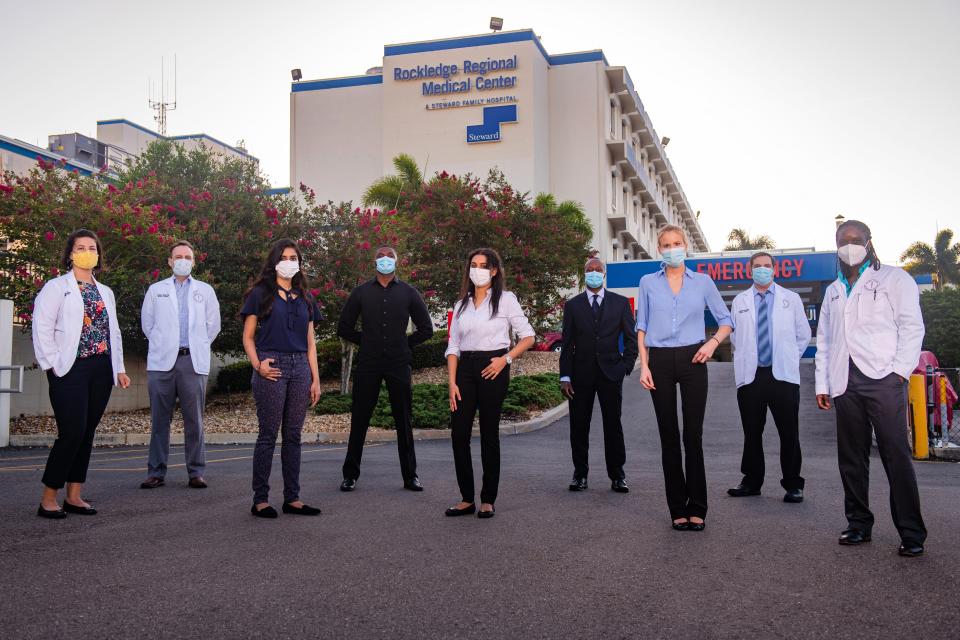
(154, 228)
(155, 274)
(365, 245)
(50, 235)
(202, 257)
(111, 188)
(314, 292)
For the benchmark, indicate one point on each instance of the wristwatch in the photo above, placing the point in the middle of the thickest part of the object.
(508, 358)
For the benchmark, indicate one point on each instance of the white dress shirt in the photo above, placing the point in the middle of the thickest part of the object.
(475, 330)
(879, 326)
(160, 319)
(590, 298)
(789, 334)
(58, 321)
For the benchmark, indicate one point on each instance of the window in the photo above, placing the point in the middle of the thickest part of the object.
(613, 191)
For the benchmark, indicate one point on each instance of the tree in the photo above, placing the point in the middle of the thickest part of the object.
(940, 260)
(385, 193)
(941, 317)
(740, 240)
(543, 244)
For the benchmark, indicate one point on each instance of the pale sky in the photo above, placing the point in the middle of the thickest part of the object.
(781, 114)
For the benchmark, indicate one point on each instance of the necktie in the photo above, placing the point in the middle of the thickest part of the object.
(764, 345)
(596, 306)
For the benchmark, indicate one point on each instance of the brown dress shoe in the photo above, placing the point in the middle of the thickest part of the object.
(197, 483)
(152, 483)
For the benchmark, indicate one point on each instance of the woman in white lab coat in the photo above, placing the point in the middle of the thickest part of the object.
(77, 341)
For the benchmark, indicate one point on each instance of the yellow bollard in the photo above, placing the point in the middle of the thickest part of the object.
(918, 407)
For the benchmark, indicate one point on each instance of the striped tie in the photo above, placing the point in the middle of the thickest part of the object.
(764, 346)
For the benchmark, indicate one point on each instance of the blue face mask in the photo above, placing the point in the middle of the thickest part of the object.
(674, 257)
(386, 265)
(762, 275)
(594, 279)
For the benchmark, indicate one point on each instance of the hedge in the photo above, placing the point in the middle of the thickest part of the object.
(941, 319)
(431, 408)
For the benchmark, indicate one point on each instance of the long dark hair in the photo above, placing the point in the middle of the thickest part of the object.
(65, 259)
(865, 230)
(267, 280)
(467, 289)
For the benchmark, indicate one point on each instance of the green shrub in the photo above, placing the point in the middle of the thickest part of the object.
(431, 408)
(234, 377)
(527, 393)
(328, 358)
(332, 402)
(430, 353)
(941, 318)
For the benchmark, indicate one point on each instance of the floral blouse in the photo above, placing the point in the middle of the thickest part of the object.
(95, 335)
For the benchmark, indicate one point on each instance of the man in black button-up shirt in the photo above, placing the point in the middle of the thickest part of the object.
(385, 306)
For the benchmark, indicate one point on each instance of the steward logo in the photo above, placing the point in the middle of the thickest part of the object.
(493, 117)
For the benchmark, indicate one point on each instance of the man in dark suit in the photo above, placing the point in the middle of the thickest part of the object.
(591, 364)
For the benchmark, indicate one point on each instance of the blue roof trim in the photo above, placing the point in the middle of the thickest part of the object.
(132, 124)
(277, 191)
(32, 153)
(460, 43)
(336, 83)
(574, 58)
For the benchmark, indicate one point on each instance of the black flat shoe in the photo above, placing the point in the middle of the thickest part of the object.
(266, 512)
(743, 490)
(486, 514)
(80, 511)
(680, 526)
(578, 484)
(348, 484)
(413, 484)
(620, 486)
(300, 511)
(852, 537)
(53, 514)
(794, 496)
(910, 549)
(466, 511)
(696, 526)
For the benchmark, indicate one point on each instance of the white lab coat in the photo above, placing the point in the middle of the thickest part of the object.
(789, 332)
(879, 326)
(58, 321)
(160, 321)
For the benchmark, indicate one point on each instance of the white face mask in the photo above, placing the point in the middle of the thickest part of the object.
(480, 277)
(288, 268)
(852, 254)
(182, 267)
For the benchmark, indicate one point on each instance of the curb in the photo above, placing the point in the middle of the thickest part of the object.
(143, 439)
(946, 453)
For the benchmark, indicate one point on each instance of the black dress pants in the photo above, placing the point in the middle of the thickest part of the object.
(670, 366)
(585, 388)
(366, 391)
(882, 403)
(485, 396)
(783, 400)
(78, 399)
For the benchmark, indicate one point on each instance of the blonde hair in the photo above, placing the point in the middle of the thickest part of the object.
(667, 228)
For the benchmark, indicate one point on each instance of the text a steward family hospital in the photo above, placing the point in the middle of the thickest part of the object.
(569, 124)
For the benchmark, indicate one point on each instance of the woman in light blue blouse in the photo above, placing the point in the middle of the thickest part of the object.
(670, 334)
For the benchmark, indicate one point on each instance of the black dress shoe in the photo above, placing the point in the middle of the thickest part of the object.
(300, 511)
(853, 537)
(466, 511)
(486, 514)
(152, 482)
(696, 526)
(53, 514)
(197, 483)
(578, 484)
(620, 486)
(413, 484)
(910, 549)
(794, 496)
(348, 484)
(266, 512)
(743, 490)
(680, 526)
(80, 511)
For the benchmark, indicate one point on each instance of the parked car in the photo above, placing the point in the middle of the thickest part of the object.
(550, 341)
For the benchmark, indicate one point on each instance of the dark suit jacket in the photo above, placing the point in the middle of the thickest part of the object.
(586, 341)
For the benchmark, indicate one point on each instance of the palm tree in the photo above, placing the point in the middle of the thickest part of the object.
(940, 260)
(740, 240)
(385, 192)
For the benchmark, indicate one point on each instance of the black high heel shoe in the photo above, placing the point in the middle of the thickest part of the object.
(466, 511)
(697, 526)
(53, 514)
(680, 526)
(487, 514)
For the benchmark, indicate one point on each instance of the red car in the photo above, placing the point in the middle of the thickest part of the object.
(549, 342)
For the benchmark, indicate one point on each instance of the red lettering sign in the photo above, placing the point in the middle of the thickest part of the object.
(786, 268)
(799, 263)
(738, 271)
(726, 271)
(713, 270)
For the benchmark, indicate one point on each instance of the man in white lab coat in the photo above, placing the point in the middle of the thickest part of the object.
(868, 343)
(180, 317)
(770, 334)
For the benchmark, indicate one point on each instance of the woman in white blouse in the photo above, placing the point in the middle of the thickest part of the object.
(478, 367)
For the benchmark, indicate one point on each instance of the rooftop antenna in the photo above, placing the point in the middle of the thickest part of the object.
(162, 106)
